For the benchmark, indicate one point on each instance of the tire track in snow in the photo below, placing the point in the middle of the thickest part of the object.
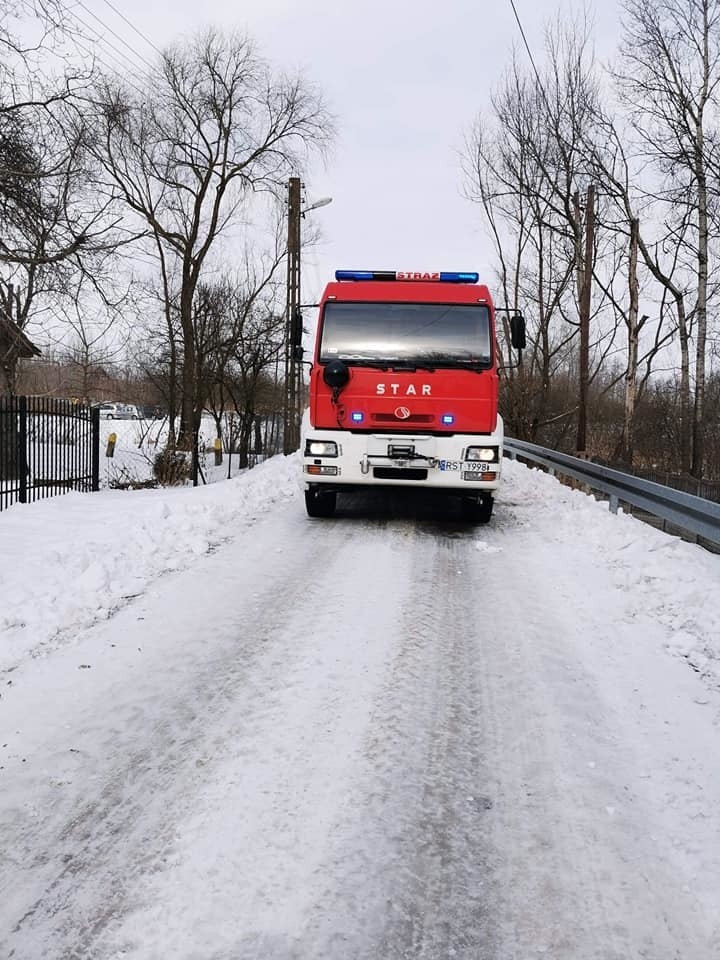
(410, 883)
(424, 759)
(502, 814)
(126, 837)
(134, 786)
(445, 857)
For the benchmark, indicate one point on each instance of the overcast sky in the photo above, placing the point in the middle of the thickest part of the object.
(406, 80)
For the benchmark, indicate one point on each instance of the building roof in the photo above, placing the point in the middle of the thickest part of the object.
(13, 340)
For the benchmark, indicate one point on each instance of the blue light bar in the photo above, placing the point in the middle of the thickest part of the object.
(459, 277)
(354, 275)
(358, 417)
(426, 276)
(448, 419)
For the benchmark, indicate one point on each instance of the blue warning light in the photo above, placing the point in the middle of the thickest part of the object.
(422, 276)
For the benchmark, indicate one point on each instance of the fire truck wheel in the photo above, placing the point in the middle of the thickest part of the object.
(477, 511)
(319, 503)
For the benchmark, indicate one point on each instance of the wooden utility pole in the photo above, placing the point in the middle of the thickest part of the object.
(634, 326)
(585, 302)
(293, 368)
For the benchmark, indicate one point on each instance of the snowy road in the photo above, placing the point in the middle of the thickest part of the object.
(383, 736)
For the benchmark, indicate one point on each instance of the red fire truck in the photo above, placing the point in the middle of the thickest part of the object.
(404, 389)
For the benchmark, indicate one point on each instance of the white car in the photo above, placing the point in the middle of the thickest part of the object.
(118, 411)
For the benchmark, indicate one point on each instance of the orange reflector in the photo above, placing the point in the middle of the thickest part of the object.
(321, 470)
(477, 477)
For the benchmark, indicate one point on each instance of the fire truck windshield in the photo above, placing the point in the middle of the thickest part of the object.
(427, 334)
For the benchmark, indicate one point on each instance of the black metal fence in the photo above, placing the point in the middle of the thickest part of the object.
(706, 489)
(47, 447)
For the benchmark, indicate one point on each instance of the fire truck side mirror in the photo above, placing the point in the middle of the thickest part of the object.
(298, 353)
(517, 332)
(296, 329)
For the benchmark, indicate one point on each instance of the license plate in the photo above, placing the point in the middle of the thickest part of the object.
(475, 466)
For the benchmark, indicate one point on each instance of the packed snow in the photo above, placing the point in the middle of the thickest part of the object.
(230, 731)
(71, 561)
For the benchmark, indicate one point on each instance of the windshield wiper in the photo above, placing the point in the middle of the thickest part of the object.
(367, 362)
(386, 363)
(358, 358)
(460, 363)
(392, 363)
(412, 365)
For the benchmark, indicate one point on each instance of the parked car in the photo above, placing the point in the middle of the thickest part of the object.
(117, 411)
(149, 411)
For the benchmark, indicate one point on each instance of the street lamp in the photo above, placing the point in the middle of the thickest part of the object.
(322, 202)
(293, 321)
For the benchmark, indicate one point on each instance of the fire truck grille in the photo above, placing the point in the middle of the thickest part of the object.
(413, 418)
(397, 473)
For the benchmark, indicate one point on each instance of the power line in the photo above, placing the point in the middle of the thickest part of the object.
(98, 36)
(133, 27)
(120, 66)
(529, 53)
(114, 33)
(116, 67)
(120, 62)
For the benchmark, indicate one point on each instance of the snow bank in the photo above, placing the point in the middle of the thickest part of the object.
(665, 578)
(71, 560)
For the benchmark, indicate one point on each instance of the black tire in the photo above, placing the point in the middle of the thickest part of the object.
(476, 511)
(319, 503)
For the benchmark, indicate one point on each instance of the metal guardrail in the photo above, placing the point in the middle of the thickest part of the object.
(698, 516)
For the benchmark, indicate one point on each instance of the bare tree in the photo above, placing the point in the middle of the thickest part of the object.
(634, 217)
(41, 62)
(551, 136)
(214, 126)
(252, 290)
(526, 175)
(54, 227)
(88, 336)
(535, 262)
(669, 76)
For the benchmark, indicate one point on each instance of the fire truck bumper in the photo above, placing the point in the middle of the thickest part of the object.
(462, 464)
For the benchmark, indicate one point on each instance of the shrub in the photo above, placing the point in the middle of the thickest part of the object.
(172, 467)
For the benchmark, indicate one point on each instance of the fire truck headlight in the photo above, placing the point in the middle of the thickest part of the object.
(321, 448)
(481, 453)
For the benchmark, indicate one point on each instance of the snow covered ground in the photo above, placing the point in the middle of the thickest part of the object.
(228, 731)
(137, 444)
(72, 560)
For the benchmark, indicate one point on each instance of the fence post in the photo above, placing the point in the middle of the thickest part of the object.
(95, 431)
(22, 460)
